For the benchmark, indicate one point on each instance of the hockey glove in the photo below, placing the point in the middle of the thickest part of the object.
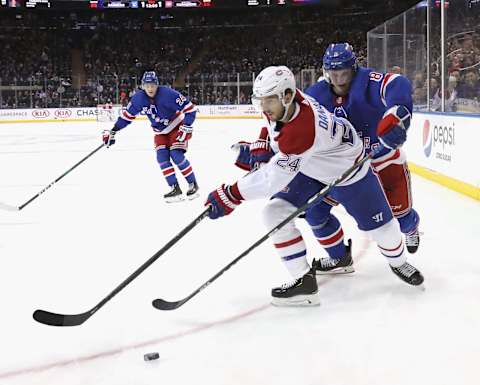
(184, 133)
(222, 201)
(392, 129)
(260, 152)
(109, 137)
(243, 158)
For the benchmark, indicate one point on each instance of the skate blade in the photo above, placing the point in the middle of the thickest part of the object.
(193, 196)
(298, 301)
(339, 270)
(175, 199)
(421, 287)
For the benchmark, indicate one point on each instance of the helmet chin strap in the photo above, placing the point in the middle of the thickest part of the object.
(286, 105)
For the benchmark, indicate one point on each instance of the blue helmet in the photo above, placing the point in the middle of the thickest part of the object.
(339, 56)
(150, 77)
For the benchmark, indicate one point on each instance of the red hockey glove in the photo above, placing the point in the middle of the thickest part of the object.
(223, 201)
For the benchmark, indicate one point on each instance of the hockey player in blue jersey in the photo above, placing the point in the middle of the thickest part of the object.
(379, 105)
(171, 116)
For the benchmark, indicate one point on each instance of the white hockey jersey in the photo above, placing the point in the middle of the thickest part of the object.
(314, 142)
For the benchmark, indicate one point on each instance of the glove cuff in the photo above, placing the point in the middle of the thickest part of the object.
(186, 128)
(235, 193)
(260, 144)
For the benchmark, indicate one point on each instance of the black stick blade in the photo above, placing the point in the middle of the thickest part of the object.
(161, 304)
(54, 319)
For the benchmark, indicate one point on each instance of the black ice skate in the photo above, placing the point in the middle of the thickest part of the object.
(408, 274)
(300, 292)
(336, 266)
(192, 192)
(175, 195)
(412, 240)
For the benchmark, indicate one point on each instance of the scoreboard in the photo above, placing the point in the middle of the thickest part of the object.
(151, 4)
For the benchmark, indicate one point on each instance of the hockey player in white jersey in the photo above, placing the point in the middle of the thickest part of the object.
(312, 148)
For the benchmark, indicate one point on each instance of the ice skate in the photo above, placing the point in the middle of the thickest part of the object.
(192, 192)
(175, 195)
(342, 265)
(412, 240)
(299, 292)
(408, 274)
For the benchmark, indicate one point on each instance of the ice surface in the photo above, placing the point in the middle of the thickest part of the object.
(68, 249)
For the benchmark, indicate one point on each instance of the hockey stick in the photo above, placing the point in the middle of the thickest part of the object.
(55, 319)
(14, 208)
(161, 304)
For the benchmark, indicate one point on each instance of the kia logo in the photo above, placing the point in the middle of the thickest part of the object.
(63, 113)
(40, 113)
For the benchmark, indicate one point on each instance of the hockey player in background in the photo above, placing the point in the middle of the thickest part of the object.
(379, 106)
(171, 116)
(311, 149)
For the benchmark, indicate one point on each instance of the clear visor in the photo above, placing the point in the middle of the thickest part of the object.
(265, 103)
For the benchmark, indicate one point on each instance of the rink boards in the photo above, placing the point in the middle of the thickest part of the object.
(440, 146)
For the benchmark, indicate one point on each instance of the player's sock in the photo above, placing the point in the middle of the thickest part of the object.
(169, 173)
(390, 242)
(187, 171)
(293, 253)
(329, 234)
(178, 157)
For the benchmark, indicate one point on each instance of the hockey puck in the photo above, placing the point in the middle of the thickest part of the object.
(151, 356)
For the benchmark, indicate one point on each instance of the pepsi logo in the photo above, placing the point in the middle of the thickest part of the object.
(427, 138)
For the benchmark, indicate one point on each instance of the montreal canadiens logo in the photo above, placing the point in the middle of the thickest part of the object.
(427, 138)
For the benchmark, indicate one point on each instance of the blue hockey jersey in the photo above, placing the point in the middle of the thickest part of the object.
(166, 111)
(371, 94)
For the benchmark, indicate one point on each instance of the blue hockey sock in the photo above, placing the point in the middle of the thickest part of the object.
(329, 234)
(163, 158)
(183, 165)
(409, 222)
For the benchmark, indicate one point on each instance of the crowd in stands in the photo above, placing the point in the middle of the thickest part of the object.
(462, 73)
(88, 58)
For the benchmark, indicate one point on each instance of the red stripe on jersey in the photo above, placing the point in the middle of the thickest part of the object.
(188, 108)
(384, 84)
(263, 134)
(128, 115)
(298, 135)
(288, 243)
(395, 155)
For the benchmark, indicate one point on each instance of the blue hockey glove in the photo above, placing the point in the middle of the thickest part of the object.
(243, 158)
(392, 129)
(260, 152)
